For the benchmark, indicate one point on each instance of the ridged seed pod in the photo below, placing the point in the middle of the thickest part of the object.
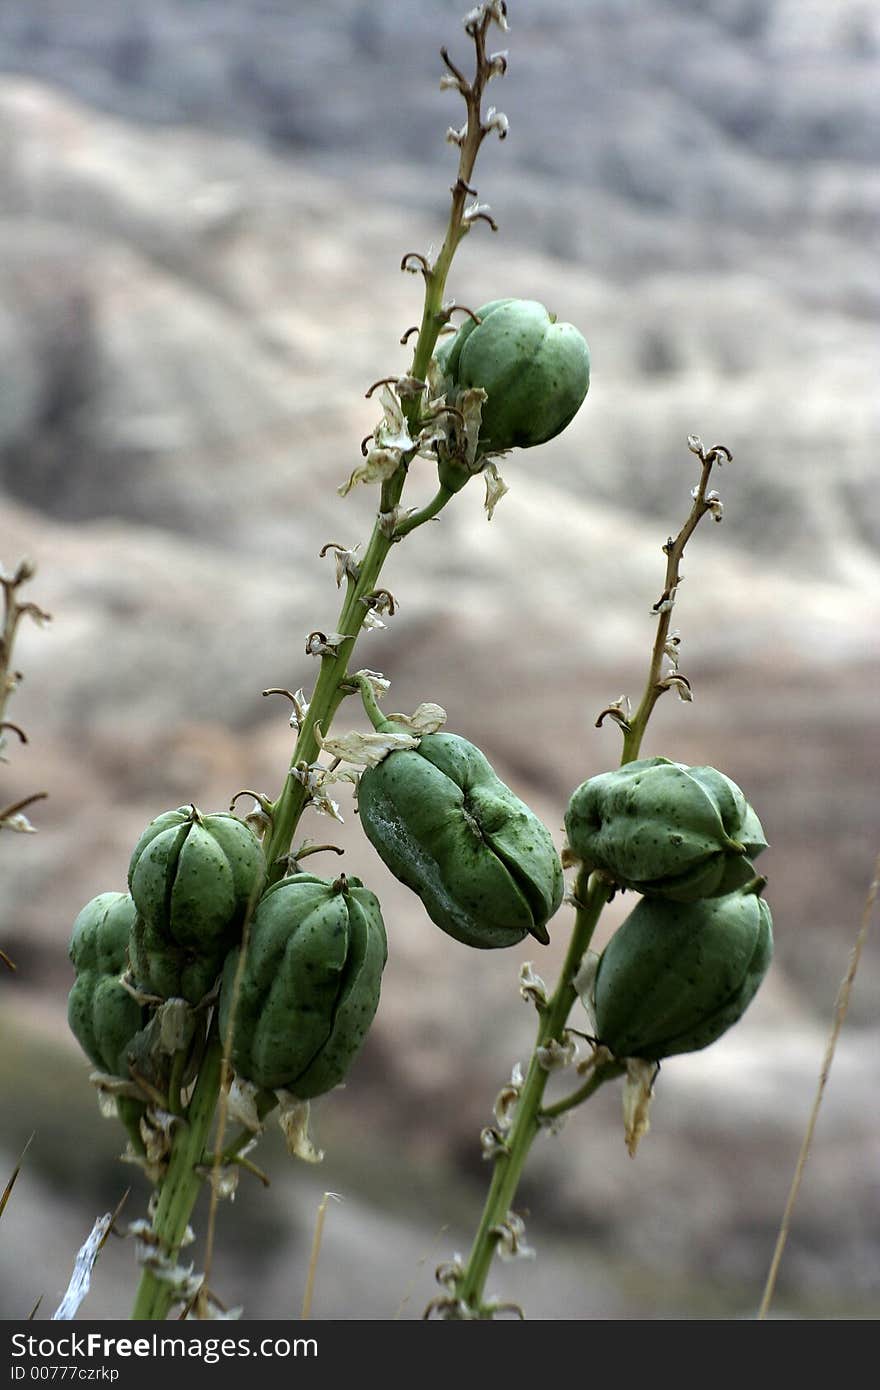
(310, 984)
(193, 877)
(535, 371)
(481, 861)
(103, 1016)
(173, 972)
(675, 976)
(665, 829)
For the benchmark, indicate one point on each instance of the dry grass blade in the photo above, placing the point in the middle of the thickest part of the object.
(316, 1250)
(4, 960)
(420, 1264)
(80, 1280)
(111, 1229)
(840, 1012)
(7, 1191)
(226, 1075)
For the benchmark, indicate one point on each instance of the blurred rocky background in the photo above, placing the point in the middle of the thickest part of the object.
(204, 205)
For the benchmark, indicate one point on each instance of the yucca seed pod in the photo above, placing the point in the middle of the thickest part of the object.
(665, 829)
(535, 371)
(675, 976)
(193, 878)
(103, 1016)
(163, 968)
(309, 987)
(481, 861)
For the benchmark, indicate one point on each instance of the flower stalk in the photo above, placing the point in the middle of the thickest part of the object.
(236, 962)
(12, 816)
(590, 896)
(180, 1186)
(591, 893)
(704, 501)
(330, 689)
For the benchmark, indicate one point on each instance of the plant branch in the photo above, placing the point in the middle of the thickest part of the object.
(426, 513)
(605, 1071)
(181, 1185)
(634, 728)
(13, 612)
(591, 894)
(841, 1009)
(329, 691)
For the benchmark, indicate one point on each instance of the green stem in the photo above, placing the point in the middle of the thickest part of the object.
(370, 703)
(606, 1071)
(426, 513)
(181, 1184)
(178, 1066)
(329, 689)
(654, 688)
(214, 1161)
(592, 894)
(327, 696)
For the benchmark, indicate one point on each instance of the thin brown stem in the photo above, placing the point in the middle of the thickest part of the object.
(674, 549)
(840, 1012)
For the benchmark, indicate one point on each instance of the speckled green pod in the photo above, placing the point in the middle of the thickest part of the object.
(163, 968)
(535, 371)
(480, 860)
(665, 829)
(310, 985)
(675, 976)
(103, 1016)
(193, 877)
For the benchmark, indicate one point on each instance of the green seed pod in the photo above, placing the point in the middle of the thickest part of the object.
(193, 877)
(173, 972)
(665, 829)
(675, 976)
(535, 371)
(103, 1016)
(445, 825)
(310, 985)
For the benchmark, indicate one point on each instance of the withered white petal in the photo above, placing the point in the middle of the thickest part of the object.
(379, 465)
(638, 1088)
(496, 487)
(293, 1117)
(241, 1104)
(531, 986)
(585, 986)
(367, 749)
(426, 719)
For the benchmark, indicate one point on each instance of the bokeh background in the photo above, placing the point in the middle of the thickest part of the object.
(204, 205)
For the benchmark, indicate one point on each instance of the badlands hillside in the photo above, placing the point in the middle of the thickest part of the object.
(202, 213)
